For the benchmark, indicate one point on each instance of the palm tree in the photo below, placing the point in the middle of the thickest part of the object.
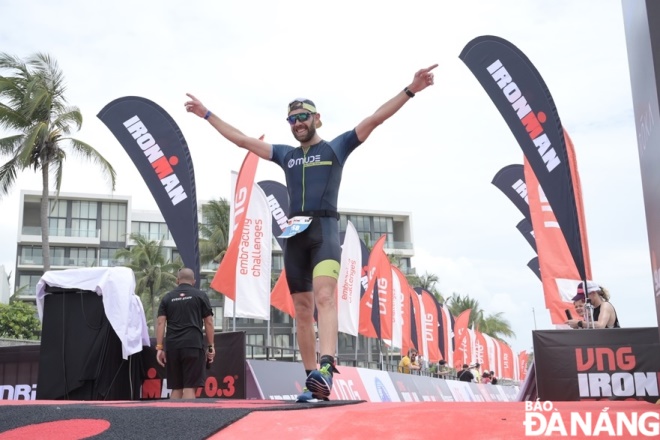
(214, 231)
(427, 282)
(32, 104)
(495, 325)
(153, 275)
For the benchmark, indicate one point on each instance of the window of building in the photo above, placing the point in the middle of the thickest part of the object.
(218, 312)
(31, 255)
(283, 341)
(113, 222)
(370, 229)
(107, 258)
(383, 225)
(279, 317)
(83, 218)
(255, 344)
(346, 341)
(57, 218)
(28, 284)
(155, 231)
(82, 257)
(277, 262)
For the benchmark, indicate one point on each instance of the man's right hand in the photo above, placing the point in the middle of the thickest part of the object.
(161, 358)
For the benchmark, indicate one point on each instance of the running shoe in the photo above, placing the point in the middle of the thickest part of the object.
(319, 382)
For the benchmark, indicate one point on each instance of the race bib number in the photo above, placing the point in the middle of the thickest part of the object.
(295, 225)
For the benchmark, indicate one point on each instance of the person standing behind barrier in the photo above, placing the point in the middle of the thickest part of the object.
(312, 254)
(465, 375)
(474, 368)
(184, 311)
(442, 371)
(604, 314)
(408, 363)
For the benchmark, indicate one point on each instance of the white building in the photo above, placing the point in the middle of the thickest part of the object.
(87, 229)
(5, 291)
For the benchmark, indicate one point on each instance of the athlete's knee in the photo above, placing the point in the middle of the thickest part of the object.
(325, 298)
(304, 305)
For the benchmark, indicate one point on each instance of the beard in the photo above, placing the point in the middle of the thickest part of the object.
(305, 137)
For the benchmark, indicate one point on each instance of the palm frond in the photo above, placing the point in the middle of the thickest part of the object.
(86, 151)
(8, 173)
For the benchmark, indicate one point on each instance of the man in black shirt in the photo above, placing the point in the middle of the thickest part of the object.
(465, 374)
(184, 310)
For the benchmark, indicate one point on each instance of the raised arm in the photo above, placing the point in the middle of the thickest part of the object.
(232, 134)
(422, 79)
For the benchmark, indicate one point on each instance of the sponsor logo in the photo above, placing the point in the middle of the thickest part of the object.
(604, 372)
(345, 389)
(305, 161)
(531, 121)
(521, 188)
(382, 286)
(161, 165)
(18, 392)
(278, 213)
(155, 387)
(347, 288)
(251, 248)
(382, 391)
(429, 327)
(542, 418)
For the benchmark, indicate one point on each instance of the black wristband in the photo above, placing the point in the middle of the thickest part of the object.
(409, 93)
(208, 114)
(580, 325)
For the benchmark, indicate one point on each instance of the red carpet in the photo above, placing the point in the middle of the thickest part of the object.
(249, 419)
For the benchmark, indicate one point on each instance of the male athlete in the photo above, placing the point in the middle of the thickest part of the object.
(312, 256)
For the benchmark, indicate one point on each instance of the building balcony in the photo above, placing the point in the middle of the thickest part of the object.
(61, 236)
(38, 262)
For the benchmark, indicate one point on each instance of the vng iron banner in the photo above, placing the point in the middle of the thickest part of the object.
(524, 101)
(159, 151)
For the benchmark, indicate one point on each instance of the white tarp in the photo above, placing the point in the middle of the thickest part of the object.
(116, 286)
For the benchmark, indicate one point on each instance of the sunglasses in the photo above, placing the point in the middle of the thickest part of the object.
(302, 117)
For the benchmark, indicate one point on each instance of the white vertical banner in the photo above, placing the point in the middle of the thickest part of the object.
(498, 355)
(397, 309)
(490, 350)
(473, 346)
(349, 282)
(516, 366)
(253, 265)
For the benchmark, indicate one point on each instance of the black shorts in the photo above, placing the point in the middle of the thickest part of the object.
(185, 368)
(314, 252)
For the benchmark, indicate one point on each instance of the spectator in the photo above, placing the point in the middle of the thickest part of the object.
(476, 372)
(465, 374)
(184, 311)
(485, 378)
(442, 370)
(409, 363)
(493, 379)
(604, 314)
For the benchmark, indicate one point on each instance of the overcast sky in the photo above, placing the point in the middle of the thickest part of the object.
(434, 159)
